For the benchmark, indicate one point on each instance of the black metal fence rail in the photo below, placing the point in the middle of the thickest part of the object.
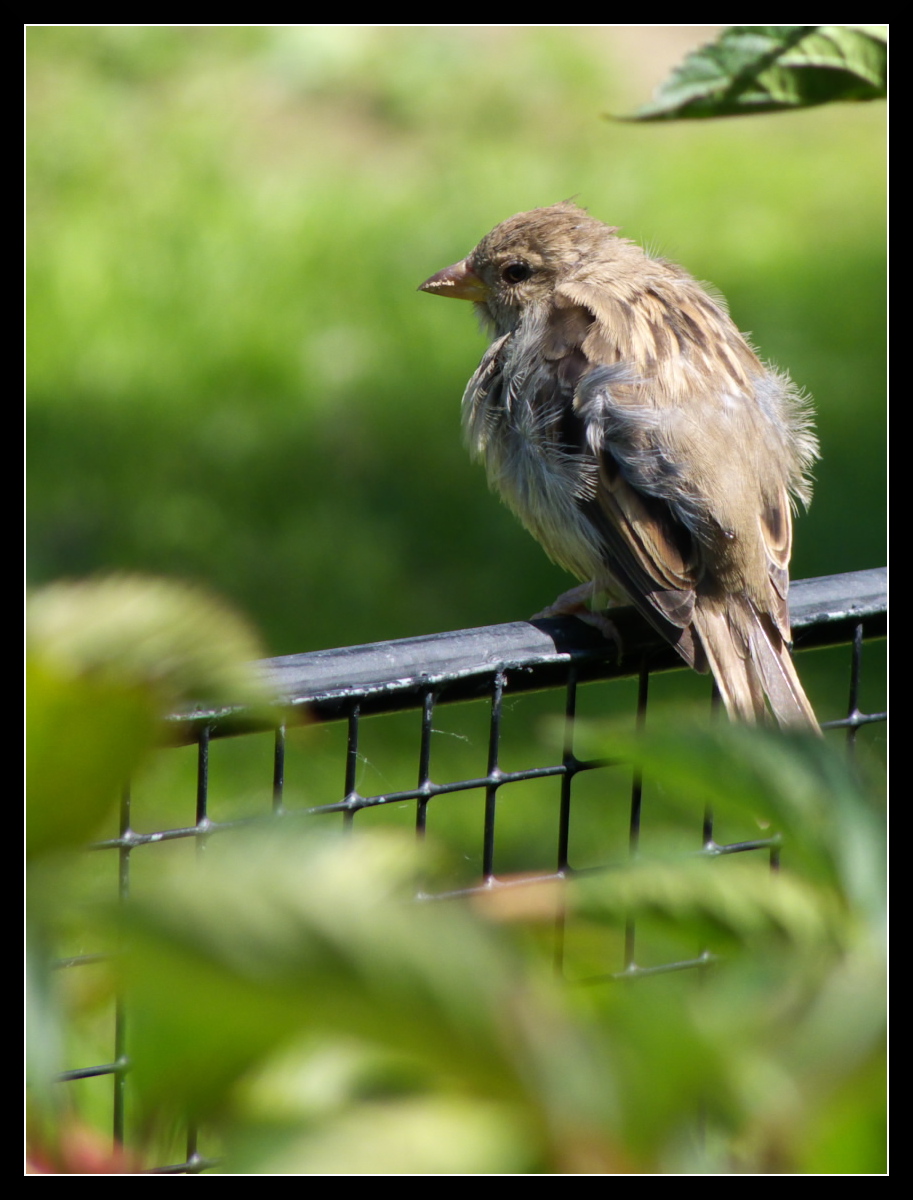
(388, 676)
(490, 664)
(487, 665)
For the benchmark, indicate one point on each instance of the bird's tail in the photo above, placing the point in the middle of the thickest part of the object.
(752, 666)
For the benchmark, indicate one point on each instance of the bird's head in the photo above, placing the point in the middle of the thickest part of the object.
(516, 268)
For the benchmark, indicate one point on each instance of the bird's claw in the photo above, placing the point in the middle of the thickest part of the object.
(573, 603)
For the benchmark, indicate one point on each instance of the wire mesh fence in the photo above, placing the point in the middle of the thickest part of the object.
(440, 734)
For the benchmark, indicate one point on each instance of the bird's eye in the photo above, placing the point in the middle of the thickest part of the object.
(516, 272)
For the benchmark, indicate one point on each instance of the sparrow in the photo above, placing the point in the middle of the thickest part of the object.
(634, 431)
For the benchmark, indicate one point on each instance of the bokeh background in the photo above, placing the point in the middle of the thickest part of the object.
(232, 377)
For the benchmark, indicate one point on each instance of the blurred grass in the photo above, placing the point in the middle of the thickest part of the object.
(232, 378)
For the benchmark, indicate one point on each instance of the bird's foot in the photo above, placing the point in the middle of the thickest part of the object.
(574, 603)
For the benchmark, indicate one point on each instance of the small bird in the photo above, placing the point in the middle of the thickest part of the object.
(632, 428)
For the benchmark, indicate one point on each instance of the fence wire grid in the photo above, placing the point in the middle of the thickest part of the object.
(511, 821)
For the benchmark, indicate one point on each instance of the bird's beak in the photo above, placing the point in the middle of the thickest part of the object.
(458, 281)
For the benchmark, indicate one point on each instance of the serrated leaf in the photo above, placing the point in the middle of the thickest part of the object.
(770, 68)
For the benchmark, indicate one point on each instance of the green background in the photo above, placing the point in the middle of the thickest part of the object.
(232, 377)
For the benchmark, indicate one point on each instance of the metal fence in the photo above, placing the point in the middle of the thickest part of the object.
(407, 687)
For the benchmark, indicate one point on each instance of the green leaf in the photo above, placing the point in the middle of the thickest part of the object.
(771, 68)
(302, 935)
(742, 902)
(792, 785)
(107, 659)
(85, 737)
(414, 1135)
(179, 641)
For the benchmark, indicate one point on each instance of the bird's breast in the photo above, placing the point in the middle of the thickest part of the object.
(521, 424)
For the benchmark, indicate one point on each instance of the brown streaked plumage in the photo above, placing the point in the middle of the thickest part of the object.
(631, 427)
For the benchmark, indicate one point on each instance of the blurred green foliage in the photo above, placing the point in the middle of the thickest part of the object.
(287, 990)
(106, 660)
(232, 377)
(233, 380)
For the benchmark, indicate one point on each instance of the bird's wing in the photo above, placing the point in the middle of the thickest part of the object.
(646, 524)
(658, 538)
(648, 551)
(653, 360)
(664, 542)
(575, 501)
